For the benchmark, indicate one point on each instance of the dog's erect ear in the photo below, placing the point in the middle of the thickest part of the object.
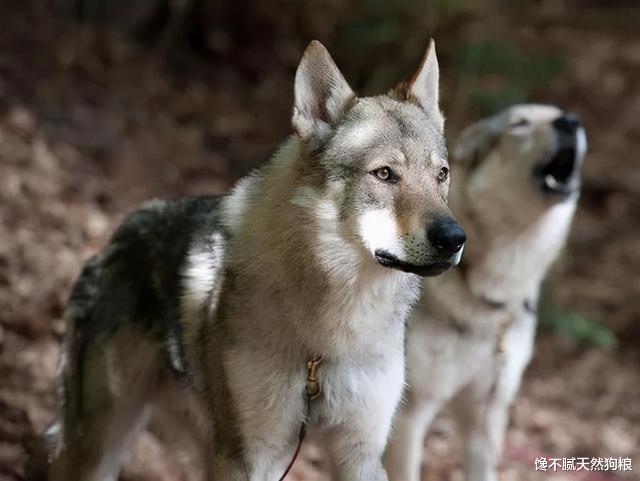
(423, 86)
(321, 93)
(476, 141)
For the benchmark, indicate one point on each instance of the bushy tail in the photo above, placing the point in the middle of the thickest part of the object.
(78, 313)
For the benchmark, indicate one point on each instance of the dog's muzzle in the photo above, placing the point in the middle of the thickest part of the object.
(447, 239)
(560, 175)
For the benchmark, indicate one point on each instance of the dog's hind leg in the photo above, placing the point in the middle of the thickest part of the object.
(404, 455)
(105, 407)
(179, 420)
(93, 450)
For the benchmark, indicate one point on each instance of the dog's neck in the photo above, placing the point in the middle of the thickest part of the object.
(507, 265)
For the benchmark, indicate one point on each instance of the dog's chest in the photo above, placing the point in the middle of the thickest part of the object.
(365, 365)
(352, 386)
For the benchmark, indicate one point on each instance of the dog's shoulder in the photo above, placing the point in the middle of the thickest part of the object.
(153, 243)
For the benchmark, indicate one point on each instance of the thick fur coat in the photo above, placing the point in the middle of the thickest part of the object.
(210, 309)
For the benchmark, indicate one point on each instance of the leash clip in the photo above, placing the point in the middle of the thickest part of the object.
(313, 385)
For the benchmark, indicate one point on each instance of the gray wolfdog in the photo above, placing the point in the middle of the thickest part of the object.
(299, 279)
(517, 186)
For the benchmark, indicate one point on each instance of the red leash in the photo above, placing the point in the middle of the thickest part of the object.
(295, 455)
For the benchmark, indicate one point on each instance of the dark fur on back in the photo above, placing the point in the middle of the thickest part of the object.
(135, 280)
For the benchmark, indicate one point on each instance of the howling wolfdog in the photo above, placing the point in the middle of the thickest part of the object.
(279, 305)
(516, 191)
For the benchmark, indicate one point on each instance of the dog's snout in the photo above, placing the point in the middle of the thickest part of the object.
(446, 236)
(567, 123)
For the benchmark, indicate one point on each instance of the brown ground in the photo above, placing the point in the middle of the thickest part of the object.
(90, 127)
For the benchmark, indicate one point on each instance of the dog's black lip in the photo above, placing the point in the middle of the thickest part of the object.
(389, 260)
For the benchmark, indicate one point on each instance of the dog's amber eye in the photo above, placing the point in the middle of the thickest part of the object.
(385, 174)
(443, 174)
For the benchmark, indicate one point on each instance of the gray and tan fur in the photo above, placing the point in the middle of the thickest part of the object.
(218, 304)
(517, 178)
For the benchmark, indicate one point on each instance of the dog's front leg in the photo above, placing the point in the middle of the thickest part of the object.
(357, 451)
(482, 408)
(405, 451)
(257, 447)
(357, 444)
(258, 416)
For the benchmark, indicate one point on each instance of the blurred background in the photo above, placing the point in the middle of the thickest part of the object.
(105, 103)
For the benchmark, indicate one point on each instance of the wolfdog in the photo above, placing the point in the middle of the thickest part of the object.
(517, 186)
(279, 305)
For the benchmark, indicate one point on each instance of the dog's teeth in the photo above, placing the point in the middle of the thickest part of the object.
(458, 256)
(551, 182)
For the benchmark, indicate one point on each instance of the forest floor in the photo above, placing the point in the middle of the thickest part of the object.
(89, 129)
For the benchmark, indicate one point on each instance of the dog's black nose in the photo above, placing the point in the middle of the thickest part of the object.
(446, 235)
(567, 123)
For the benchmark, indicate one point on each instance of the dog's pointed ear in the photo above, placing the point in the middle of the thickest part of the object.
(322, 94)
(423, 86)
(476, 141)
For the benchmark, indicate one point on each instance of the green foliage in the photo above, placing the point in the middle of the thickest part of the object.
(397, 29)
(489, 73)
(371, 32)
(501, 75)
(573, 325)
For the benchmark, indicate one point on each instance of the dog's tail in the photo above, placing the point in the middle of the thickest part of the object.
(78, 314)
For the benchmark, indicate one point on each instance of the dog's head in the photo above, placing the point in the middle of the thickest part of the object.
(534, 150)
(376, 168)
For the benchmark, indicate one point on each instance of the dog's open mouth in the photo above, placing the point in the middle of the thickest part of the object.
(560, 175)
(389, 260)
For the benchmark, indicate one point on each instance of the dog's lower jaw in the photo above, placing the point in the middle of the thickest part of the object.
(390, 261)
(559, 191)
